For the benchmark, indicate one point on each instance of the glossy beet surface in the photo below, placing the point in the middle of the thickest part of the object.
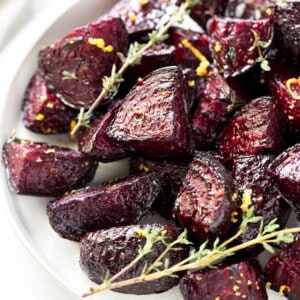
(285, 171)
(86, 210)
(283, 271)
(153, 117)
(231, 42)
(111, 250)
(238, 281)
(43, 170)
(43, 112)
(73, 66)
(204, 205)
(94, 140)
(254, 129)
(249, 174)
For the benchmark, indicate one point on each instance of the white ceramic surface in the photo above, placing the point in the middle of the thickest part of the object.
(27, 214)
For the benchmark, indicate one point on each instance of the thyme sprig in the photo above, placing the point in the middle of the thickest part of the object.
(198, 258)
(110, 83)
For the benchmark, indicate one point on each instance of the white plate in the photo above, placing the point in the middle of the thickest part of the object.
(27, 214)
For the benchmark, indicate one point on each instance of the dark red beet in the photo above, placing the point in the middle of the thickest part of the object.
(204, 204)
(113, 249)
(43, 112)
(139, 18)
(285, 171)
(255, 129)
(282, 271)
(95, 142)
(74, 67)
(249, 173)
(43, 170)
(115, 204)
(238, 281)
(287, 22)
(153, 117)
(231, 42)
(285, 88)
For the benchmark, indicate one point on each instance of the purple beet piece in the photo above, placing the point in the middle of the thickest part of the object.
(254, 129)
(43, 170)
(153, 118)
(287, 22)
(95, 142)
(43, 112)
(204, 204)
(241, 280)
(282, 271)
(215, 101)
(142, 17)
(74, 66)
(285, 171)
(250, 173)
(232, 40)
(284, 86)
(113, 249)
(115, 204)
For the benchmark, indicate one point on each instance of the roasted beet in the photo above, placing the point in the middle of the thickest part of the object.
(250, 176)
(95, 142)
(238, 281)
(115, 204)
(75, 65)
(285, 88)
(204, 204)
(153, 117)
(285, 171)
(283, 271)
(43, 170)
(141, 17)
(255, 129)
(232, 41)
(43, 112)
(287, 22)
(113, 249)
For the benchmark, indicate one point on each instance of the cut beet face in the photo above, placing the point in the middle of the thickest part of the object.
(250, 178)
(86, 210)
(204, 204)
(113, 249)
(153, 118)
(282, 271)
(95, 142)
(232, 43)
(74, 66)
(238, 281)
(285, 171)
(254, 129)
(43, 170)
(142, 17)
(43, 112)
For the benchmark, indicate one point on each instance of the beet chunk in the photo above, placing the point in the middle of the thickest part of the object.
(115, 204)
(43, 112)
(231, 42)
(285, 171)
(204, 205)
(282, 271)
(287, 22)
(111, 250)
(255, 129)
(153, 117)
(74, 65)
(250, 174)
(242, 280)
(95, 142)
(44, 170)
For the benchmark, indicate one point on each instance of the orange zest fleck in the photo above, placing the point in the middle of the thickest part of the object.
(40, 117)
(289, 83)
(132, 17)
(100, 43)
